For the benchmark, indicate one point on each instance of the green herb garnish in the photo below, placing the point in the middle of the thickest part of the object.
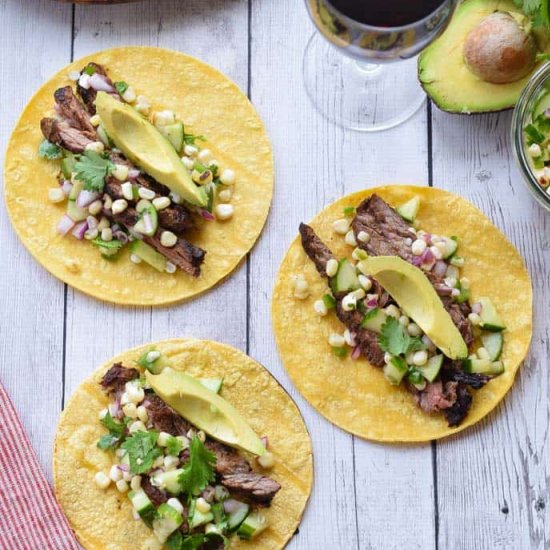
(190, 139)
(349, 211)
(121, 87)
(178, 541)
(199, 471)
(142, 451)
(533, 135)
(340, 352)
(329, 301)
(396, 340)
(50, 151)
(536, 10)
(92, 169)
(174, 446)
(89, 69)
(116, 432)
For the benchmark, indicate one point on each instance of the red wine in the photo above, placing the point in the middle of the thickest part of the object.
(386, 13)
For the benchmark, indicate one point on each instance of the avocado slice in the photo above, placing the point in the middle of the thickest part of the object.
(205, 409)
(144, 145)
(415, 295)
(444, 75)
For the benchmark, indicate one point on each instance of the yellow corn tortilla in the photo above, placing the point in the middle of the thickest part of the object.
(102, 519)
(209, 104)
(354, 395)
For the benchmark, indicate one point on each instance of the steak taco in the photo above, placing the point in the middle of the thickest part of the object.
(184, 444)
(412, 311)
(139, 190)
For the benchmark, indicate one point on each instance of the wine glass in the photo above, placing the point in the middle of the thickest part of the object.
(349, 67)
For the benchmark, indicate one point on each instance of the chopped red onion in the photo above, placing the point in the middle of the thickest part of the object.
(115, 227)
(440, 268)
(427, 256)
(206, 215)
(417, 261)
(373, 302)
(265, 441)
(99, 83)
(65, 225)
(67, 187)
(547, 113)
(123, 467)
(356, 353)
(79, 230)
(121, 236)
(428, 238)
(85, 198)
(231, 505)
(476, 308)
(133, 173)
(443, 290)
(148, 222)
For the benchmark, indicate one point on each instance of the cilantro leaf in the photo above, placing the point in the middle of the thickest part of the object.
(89, 69)
(174, 446)
(537, 10)
(533, 135)
(108, 244)
(142, 451)
(178, 541)
(199, 471)
(92, 169)
(190, 139)
(121, 86)
(49, 151)
(349, 211)
(396, 340)
(115, 435)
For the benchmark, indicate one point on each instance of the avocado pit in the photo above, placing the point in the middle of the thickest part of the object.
(499, 50)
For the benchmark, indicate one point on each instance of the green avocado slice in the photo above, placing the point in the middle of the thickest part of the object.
(205, 409)
(415, 295)
(144, 145)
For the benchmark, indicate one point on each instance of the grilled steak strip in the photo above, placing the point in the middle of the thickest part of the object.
(88, 95)
(156, 495)
(228, 461)
(116, 377)
(163, 417)
(184, 255)
(391, 236)
(251, 487)
(68, 107)
(366, 339)
(458, 411)
(64, 135)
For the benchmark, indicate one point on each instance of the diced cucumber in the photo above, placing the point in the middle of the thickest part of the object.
(541, 105)
(493, 342)
(198, 518)
(490, 319)
(464, 294)
(143, 506)
(483, 366)
(374, 319)
(346, 278)
(329, 301)
(156, 366)
(431, 369)
(409, 210)
(167, 521)
(104, 136)
(149, 255)
(212, 384)
(395, 370)
(169, 481)
(67, 165)
(174, 134)
(75, 212)
(145, 208)
(236, 517)
(451, 246)
(252, 526)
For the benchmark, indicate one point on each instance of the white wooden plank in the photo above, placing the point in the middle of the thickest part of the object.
(218, 34)
(31, 324)
(493, 479)
(317, 163)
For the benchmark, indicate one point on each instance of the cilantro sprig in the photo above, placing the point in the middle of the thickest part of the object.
(92, 169)
(178, 541)
(190, 139)
(537, 10)
(121, 86)
(142, 450)
(394, 339)
(49, 151)
(199, 471)
(115, 435)
(174, 446)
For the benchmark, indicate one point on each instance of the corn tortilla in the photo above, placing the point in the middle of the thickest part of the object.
(355, 395)
(102, 520)
(209, 104)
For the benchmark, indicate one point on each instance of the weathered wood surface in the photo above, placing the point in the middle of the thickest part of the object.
(486, 489)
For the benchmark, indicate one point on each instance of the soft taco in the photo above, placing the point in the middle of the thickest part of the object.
(184, 444)
(402, 313)
(139, 176)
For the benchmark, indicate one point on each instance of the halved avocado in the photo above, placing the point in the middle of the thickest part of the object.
(416, 296)
(444, 75)
(144, 145)
(205, 409)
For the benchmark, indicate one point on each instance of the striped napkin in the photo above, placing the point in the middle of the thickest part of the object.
(30, 518)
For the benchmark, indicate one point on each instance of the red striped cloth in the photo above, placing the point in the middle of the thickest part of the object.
(30, 518)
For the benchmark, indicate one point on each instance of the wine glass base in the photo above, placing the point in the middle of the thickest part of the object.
(356, 95)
